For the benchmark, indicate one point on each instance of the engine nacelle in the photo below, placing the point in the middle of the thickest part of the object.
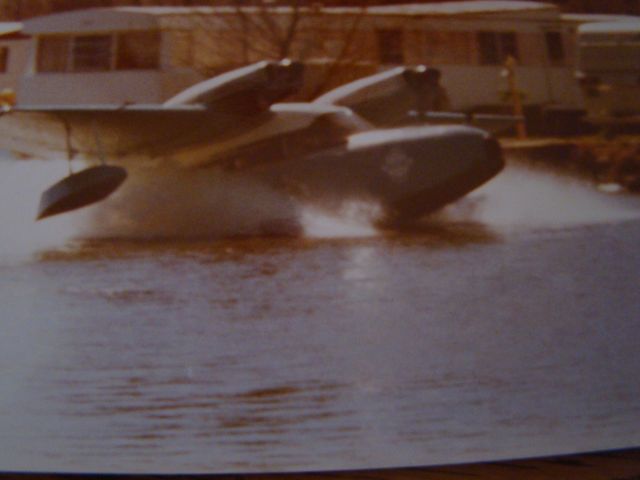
(387, 98)
(247, 90)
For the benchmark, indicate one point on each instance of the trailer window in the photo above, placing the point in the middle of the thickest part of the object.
(609, 58)
(508, 46)
(99, 53)
(4, 59)
(555, 47)
(53, 52)
(390, 46)
(488, 45)
(92, 53)
(495, 47)
(138, 51)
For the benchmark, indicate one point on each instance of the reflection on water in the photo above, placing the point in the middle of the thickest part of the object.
(443, 345)
(435, 233)
(466, 338)
(528, 198)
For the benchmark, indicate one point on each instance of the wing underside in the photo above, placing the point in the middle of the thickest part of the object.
(87, 132)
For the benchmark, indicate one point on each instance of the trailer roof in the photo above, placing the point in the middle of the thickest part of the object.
(8, 28)
(439, 8)
(462, 8)
(596, 17)
(131, 18)
(622, 27)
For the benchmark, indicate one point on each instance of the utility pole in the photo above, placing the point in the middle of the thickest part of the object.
(515, 95)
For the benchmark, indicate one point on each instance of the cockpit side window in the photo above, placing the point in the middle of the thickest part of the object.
(329, 130)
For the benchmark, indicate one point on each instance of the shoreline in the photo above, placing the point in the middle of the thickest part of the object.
(611, 164)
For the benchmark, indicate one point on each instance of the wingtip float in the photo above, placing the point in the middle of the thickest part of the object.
(80, 189)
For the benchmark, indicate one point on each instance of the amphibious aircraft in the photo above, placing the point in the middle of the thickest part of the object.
(318, 152)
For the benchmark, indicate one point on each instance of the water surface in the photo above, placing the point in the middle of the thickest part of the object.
(508, 326)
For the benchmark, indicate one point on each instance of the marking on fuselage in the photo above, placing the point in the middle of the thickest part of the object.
(397, 164)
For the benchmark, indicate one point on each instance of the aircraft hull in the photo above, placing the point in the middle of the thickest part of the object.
(408, 172)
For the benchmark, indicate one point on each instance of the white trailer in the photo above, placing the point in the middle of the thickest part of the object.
(609, 70)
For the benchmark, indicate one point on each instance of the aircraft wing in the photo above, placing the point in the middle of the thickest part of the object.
(225, 105)
(86, 131)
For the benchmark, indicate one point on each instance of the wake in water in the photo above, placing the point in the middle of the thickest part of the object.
(157, 203)
(205, 204)
(353, 219)
(202, 204)
(21, 183)
(170, 203)
(526, 198)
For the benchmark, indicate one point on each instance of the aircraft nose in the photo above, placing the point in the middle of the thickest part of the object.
(422, 169)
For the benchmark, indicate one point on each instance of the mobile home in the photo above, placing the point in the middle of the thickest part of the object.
(14, 47)
(609, 70)
(470, 42)
(105, 55)
(147, 54)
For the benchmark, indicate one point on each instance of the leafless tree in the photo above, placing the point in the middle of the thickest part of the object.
(223, 37)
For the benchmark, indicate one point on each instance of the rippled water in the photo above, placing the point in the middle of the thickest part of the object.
(507, 326)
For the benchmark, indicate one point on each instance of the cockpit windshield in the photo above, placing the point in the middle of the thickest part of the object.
(329, 130)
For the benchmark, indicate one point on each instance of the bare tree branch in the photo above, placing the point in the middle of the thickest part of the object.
(237, 34)
(343, 55)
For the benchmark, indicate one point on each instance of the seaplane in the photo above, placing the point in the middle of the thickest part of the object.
(237, 125)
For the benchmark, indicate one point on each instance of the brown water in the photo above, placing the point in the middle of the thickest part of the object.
(506, 327)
